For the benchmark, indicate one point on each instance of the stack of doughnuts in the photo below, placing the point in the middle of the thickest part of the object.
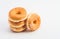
(17, 17)
(19, 21)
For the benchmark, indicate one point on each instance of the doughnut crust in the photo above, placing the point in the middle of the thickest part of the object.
(17, 14)
(33, 22)
(16, 24)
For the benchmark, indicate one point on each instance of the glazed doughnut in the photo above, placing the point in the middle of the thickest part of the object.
(17, 14)
(16, 24)
(33, 22)
(17, 29)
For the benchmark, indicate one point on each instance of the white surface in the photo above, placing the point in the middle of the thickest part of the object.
(49, 11)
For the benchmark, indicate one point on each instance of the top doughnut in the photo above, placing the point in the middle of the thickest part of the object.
(17, 14)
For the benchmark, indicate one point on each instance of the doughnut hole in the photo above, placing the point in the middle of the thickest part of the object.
(34, 21)
(18, 13)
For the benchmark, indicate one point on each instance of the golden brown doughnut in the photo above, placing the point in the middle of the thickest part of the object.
(17, 24)
(17, 14)
(17, 29)
(33, 22)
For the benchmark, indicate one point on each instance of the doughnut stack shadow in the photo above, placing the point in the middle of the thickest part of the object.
(19, 20)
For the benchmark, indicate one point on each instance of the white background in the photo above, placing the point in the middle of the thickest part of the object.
(49, 11)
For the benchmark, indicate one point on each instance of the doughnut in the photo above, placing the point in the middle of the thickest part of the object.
(16, 24)
(17, 29)
(33, 22)
(17, 14)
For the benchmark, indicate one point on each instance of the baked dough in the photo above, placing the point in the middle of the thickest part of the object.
(17, 29)
(17, 14)
(33, 22)
(16, 24)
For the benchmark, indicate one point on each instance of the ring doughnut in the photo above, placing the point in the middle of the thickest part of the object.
(17, 14)
(17, 29)
(33, 22)
(17, 24)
